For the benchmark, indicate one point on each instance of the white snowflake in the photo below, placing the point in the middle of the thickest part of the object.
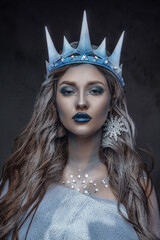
(114, 126)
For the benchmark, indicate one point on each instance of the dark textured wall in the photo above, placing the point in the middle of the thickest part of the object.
(23, 53)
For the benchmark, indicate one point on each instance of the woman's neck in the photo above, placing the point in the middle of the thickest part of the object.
(83, 152)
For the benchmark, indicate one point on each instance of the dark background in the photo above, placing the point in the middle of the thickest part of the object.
(23, 53)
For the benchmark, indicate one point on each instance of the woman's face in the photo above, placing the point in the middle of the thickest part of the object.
(83, 88)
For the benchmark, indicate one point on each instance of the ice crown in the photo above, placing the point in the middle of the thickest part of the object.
(84, 53)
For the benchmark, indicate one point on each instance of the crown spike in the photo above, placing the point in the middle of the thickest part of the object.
(101, 50)
(52, 52)
(84, 43)
(67, 49)
(115, 57)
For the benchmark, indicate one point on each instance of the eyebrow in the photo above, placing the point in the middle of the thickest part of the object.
(74, 83)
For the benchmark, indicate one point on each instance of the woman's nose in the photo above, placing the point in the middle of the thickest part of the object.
(82, 102)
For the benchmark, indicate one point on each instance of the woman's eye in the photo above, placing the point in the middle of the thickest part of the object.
(97, 91)
(67, 92)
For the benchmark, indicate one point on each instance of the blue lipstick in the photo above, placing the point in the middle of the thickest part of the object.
(81, 117)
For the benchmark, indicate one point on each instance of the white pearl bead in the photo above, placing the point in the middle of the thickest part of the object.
(86, 191)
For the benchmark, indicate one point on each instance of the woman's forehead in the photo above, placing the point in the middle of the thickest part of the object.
(83, 73)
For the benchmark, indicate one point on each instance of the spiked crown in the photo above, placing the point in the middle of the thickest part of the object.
(84, 53)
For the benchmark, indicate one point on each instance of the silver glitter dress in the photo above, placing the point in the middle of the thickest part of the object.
(66, 214)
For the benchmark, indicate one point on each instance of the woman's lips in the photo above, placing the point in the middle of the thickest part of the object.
(81, 117)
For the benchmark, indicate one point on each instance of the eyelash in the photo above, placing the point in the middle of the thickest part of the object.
(98, 92)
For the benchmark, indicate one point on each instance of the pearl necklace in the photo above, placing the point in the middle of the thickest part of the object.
(72, 183)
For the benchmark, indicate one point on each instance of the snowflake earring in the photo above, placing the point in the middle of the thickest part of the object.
(112, 128)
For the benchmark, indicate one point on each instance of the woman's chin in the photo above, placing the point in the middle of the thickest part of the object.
(83, 132)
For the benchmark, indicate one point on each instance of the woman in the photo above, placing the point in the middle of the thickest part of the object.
(75, 172)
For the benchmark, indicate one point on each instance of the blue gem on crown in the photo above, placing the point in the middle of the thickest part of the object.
(84, 53)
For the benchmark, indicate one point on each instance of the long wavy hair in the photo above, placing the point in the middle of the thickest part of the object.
(40, 154)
